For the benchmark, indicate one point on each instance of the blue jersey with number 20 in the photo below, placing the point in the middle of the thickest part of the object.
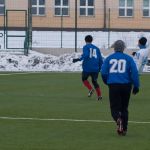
(92, 59)
(120, 68)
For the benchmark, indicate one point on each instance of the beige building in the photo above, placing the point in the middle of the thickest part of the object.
(86, 14)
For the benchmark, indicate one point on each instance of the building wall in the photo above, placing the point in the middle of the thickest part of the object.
(15, 18)
(16, 4)
(50, 20)
(135, 22)
(1, 21)
(96, 21)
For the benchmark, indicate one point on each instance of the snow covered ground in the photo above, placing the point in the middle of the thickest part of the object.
(41, 62)
(38, 62)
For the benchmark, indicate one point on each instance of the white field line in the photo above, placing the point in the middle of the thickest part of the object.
(21, 73)
(17, 73)
(38, 72)
(70, 120)
(34, 72)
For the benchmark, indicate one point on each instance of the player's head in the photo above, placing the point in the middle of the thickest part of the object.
(143, 41)
(88, 39)
(119, 46)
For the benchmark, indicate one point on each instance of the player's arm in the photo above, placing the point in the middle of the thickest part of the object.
(104, 71)
(100, 60)
(138, 60)
(135, 77)
(84, 56)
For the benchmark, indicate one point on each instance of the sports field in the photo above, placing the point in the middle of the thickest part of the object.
(51, 111)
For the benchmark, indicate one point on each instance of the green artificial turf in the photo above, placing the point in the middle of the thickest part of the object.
(31, 100)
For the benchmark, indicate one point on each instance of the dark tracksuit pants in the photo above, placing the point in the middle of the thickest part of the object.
(119, 95)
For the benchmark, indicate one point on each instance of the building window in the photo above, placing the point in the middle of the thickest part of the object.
(86, 7)
(146, 8)
(1, 7)
(38, 7)
(61, 7)
(125, 8)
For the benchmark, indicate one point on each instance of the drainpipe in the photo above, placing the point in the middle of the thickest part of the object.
(104, 14)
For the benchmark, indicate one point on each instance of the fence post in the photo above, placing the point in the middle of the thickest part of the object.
(30, 24)
(4, 24)
(26, 45)
(108, 28)
(61, 27)
(76, 13)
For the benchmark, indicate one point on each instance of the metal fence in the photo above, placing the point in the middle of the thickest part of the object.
(14, 23)
(24, 28)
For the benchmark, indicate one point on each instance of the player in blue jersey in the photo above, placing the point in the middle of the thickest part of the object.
(92, 61)
(120, 73)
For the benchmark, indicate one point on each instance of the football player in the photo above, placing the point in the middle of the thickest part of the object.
(120, 73)
(91, 65)
(141, 56)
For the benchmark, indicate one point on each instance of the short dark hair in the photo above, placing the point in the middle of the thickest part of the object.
(143, 41)
(88, 39)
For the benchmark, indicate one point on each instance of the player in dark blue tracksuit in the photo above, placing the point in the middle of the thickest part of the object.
(92, 61)
(119, 72)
